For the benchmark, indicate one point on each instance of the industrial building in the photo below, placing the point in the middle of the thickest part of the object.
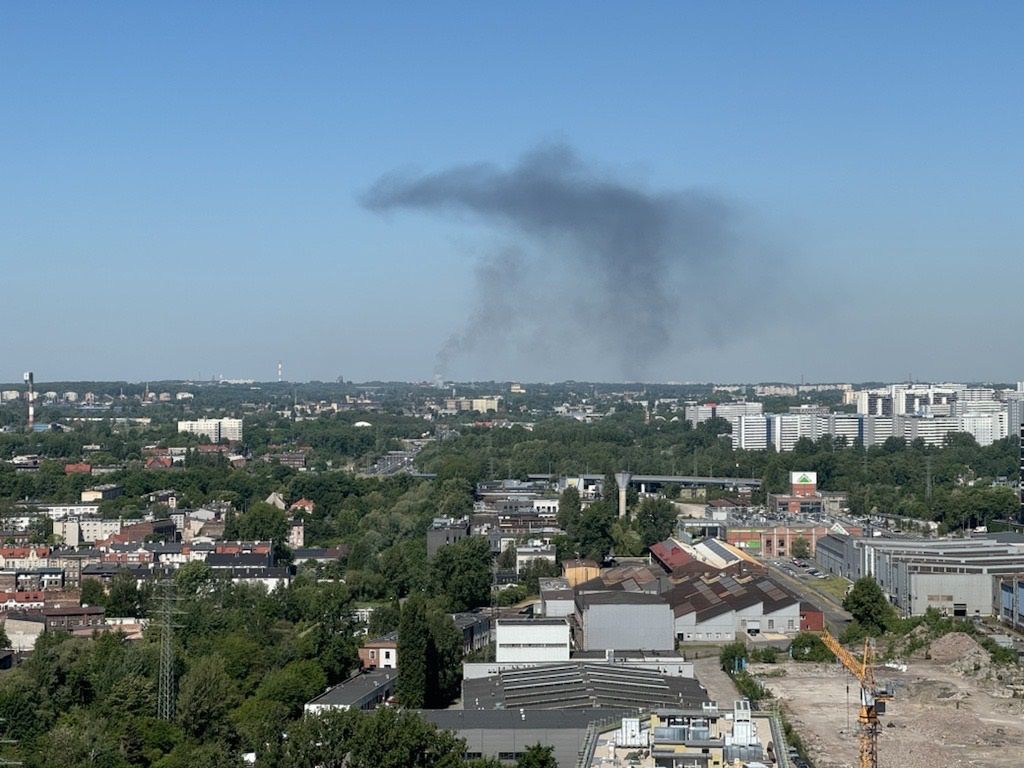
(586, 685)
(708, 737)
(623, 620)
(444, 531)
(954, 576)
(777, 540)
(507, 734)
(532, 639)
(804, 499)
(367, 690)
(723, 608)
(557, 598)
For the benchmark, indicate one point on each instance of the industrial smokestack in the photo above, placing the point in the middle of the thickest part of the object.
(30, 380)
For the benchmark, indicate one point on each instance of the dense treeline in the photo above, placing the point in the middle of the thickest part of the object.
(951, 484)
(246, 663)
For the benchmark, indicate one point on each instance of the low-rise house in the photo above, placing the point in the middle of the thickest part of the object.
(22, 601)
(475, 628)
(269, 577)
(74, 619)
(380, 653)
(319, 554)
(102, 492)
(24, 558)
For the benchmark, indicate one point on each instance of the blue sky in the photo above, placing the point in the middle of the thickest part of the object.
(180, 183)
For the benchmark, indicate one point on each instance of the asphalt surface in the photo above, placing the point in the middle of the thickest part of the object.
(719, 685)
(836, 618)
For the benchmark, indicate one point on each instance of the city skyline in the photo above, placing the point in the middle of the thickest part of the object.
(192, 199)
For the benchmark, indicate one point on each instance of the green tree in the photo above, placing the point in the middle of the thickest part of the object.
(384, 618)
(654, 520)
(538, 756)
(123, 598)
(731, 654)
(445, 673)
(868, 606)
(594, 532)
(193, 578)
(462, 572)
(293, 684)
(206, 697)
(414, 653)
(801, 548)
(392, 739)
(569, 509)
(808, 647)
(92, 592)
(262, 522)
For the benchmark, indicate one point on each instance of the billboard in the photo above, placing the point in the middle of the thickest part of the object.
(803, 478)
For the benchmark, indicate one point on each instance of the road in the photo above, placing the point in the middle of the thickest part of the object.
(719, 685)
(836, 618)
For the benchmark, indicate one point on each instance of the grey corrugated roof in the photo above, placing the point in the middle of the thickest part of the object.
(355, 688)
(507, 719)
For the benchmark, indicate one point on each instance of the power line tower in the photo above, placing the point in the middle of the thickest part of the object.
(168, 601)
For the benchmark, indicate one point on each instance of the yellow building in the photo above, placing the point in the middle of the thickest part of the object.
(578, 571)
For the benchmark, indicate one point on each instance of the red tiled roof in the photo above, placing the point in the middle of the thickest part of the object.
(670, 554)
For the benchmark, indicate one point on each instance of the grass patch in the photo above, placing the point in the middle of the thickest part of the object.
(833, 586)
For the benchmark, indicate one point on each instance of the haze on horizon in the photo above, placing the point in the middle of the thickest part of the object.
(666, 192)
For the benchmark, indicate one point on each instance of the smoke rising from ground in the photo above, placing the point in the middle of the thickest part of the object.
(592, 265)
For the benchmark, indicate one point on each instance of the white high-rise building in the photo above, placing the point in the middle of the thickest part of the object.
(785, 429)
(750, 433)
(215, 429)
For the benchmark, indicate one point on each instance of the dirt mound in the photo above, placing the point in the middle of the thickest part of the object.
(962, 653)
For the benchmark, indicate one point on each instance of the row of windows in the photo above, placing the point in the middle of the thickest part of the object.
(533, 645)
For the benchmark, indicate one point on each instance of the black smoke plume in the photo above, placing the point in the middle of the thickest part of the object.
(597, 266)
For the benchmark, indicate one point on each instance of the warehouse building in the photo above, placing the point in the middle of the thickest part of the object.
(586, 685)
(532, 640)
(507, 734)
(623, 620)
(723, 608)
(954, 576)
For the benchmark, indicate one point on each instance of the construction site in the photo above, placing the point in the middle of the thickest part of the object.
(949, 707)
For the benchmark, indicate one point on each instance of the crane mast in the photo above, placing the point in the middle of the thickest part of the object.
(872, 701)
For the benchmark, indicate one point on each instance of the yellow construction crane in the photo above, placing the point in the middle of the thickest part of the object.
(872, 701)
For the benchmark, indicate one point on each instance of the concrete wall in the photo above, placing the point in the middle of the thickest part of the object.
(559, 607)
(625, 626)
(786, 620)
(716, 628)
(493, 742)
(526, 641)
(972, 590)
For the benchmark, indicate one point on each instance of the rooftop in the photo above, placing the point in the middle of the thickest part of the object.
(355, 689)
(563, 686)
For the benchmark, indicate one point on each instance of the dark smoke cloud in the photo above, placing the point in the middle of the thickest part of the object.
(597, 265)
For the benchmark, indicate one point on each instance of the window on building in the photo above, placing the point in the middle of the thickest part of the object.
(771, 623)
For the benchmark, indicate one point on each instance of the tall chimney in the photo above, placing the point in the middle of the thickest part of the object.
(30, 380)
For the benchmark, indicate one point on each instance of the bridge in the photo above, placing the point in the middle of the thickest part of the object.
(690, 480)
(624, 479)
